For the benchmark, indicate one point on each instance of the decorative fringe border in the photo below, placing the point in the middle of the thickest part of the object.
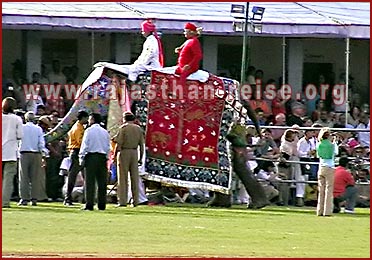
(186, 184)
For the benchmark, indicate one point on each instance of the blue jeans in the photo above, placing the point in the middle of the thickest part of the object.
(350, 195)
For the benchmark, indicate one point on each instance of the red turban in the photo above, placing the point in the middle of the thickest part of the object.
(147, 26)
(190, 26)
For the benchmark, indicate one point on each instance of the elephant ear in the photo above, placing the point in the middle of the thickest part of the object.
(237, 135)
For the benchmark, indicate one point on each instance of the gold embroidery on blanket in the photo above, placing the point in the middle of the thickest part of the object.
(193, 149)
(195, 115)
(159, 138)
(209, 149)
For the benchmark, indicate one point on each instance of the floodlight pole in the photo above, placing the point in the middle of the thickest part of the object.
(347, 52)
(244, 54)
(92, 46)
(283, 61)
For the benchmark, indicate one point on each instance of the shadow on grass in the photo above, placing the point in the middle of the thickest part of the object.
(194, 210)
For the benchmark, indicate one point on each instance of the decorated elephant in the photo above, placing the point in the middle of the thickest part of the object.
(187, 126)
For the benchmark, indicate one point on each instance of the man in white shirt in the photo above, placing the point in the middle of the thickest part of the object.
(12, 132)
(305, 146)
(94, 152)
(32, 149)
(306, 149)
(150, 58)
(364, 137)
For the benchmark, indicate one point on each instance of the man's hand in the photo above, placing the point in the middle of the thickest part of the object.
(43, 162)
(312, 153)
(186, 67)
(177, 50)
(82, 162)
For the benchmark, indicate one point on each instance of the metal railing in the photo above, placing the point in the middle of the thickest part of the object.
(307, 182)
(297, 162)
(315, 128)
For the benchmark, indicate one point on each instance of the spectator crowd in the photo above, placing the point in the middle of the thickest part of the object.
(37, 170)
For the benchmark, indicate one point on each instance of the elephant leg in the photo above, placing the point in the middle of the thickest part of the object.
(220, 200)
(253, 187)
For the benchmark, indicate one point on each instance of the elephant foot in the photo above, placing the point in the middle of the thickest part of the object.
(218, 205)
(220, 200)
(258, 205)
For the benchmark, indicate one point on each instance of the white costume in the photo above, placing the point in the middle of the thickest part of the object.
(148, 60)
(364, 137)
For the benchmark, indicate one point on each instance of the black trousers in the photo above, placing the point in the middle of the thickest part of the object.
(96, 172)
(54, 181)
(73, 172)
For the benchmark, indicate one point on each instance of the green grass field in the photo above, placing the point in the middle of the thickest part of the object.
(183, 230)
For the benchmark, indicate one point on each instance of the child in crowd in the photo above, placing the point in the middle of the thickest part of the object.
(268, 178)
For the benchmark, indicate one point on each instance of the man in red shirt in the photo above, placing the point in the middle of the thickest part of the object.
(344, 188)
(190, 53)
(278, 104)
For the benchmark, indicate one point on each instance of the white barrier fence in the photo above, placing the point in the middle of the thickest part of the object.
(303, 162)
(315, 128)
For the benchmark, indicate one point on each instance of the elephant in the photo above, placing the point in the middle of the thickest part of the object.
(207, 130)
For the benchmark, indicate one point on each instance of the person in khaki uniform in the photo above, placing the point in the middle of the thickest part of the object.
(129, 137)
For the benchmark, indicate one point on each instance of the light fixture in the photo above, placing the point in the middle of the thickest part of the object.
(238, 26)
(241, 23)
(237, 11)
(257, 13)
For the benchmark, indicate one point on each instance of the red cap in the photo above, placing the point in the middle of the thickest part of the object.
(147, 26)
(190, 26)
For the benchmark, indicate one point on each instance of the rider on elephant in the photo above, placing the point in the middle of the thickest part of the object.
(150, 58)
(189, 53)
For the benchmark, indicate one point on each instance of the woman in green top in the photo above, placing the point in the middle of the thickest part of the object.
(326, 151)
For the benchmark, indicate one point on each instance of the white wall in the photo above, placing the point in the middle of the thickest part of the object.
(33, 60)
(360, 61)
(325, 51)
(122, 48)
(170, 42)
(295, 65)
(12, 49)
(210, 49)
(333, 51)
(264, 53)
